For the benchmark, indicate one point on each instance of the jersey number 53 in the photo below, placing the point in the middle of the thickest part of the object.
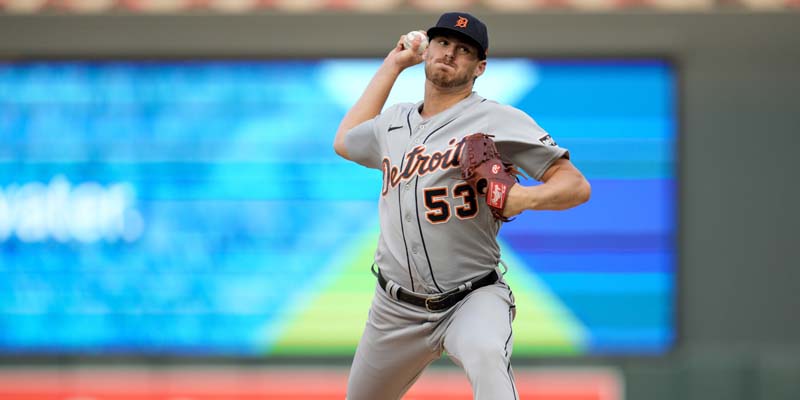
(439, 208)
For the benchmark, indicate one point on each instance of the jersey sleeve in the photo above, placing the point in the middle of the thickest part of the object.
(523, 142)
(366, 142)
(362, 144)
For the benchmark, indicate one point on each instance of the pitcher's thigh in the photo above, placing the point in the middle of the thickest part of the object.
(390, 355)
(479, 339)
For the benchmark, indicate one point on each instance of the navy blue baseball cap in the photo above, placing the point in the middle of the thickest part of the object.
(464, 25)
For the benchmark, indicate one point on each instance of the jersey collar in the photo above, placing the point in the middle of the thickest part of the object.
(446, 115)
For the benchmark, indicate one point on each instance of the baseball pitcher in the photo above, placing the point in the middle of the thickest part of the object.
(450, 164)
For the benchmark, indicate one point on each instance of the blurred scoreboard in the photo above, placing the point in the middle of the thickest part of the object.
(196, 208)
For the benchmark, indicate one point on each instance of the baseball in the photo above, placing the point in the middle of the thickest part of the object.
(423, 44)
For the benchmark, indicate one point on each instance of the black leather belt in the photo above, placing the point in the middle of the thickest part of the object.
(439, 301)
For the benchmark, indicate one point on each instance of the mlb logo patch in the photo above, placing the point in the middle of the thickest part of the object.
(547, 140)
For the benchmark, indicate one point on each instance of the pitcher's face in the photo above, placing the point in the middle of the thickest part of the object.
(451, 62)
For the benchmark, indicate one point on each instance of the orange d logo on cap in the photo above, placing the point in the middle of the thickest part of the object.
(461, 23)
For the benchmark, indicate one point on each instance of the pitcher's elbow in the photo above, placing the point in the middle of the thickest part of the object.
(584, 191)
(340, 149)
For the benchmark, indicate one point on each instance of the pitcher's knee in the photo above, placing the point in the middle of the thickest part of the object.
(484, 356)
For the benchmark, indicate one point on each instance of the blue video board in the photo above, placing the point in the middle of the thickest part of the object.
(197, 207)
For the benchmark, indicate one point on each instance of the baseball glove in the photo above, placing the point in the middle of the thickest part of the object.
(484, 169)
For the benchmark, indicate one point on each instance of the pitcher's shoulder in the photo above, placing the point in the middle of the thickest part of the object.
(499, 112)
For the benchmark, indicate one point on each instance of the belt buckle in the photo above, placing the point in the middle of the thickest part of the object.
(428, 301)
(437, 299)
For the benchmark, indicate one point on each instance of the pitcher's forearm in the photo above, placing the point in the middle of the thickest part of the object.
(369, 104)
(565, 190)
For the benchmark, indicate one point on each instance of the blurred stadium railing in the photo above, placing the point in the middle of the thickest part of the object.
(368, 6)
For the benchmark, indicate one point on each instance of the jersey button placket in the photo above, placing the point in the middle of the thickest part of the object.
(418, 133)
(412, 231)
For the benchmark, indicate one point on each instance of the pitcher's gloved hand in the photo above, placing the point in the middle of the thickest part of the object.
(484, 169)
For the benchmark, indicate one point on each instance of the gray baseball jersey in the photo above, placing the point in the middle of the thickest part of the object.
(436, 233)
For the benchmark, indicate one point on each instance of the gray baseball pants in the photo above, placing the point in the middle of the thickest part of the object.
(400, 340)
